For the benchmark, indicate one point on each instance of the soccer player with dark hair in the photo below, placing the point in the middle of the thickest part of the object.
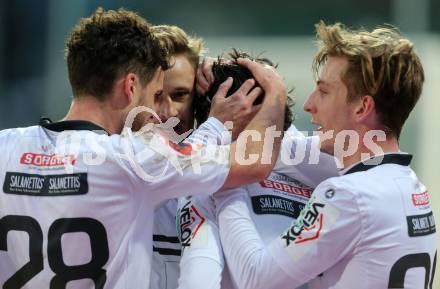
(222, 69)
(274, 202)
(79, 194)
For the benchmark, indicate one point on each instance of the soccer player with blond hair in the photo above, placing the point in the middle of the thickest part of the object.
(372, 226)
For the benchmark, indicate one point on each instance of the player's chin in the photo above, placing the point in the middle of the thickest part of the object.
(327, 146)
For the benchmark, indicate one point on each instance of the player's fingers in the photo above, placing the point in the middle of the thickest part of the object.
(263, 74)
(207, 64)
(246, 87)
(249, 64)
(256, 108)
(202, 84)
(253, 110)
(223, 89)
(256, 92)
(200, 91)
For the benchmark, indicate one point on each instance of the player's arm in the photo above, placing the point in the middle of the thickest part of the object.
(202, 261)
(327, 230)
(271, 114)
(210, 132)
(174, 170)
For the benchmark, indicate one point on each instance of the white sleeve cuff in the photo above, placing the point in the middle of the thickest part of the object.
(216, 124)
(212, 131)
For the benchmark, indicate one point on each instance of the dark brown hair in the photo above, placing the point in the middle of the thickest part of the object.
(382, 63)
(230, 68)
(107, 45)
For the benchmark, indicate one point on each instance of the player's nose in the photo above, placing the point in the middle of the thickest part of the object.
(167, 108)
(309, 104)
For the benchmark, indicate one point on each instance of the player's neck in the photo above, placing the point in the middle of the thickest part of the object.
(100, 113)
(390, 145)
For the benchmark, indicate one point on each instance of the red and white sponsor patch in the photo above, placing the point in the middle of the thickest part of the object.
(185, 148)
(421, 199)
(312, 232)
(43, 160)
(318, 216)
(303, 192)
(197, 219)
(190, 222)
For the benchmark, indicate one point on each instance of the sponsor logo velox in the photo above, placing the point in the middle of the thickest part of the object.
(308, 225)
(190, 222)
(42, 160)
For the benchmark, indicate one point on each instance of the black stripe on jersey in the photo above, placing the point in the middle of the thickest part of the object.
(163, 238)
(395, 158)
(167, 251)
(70, 125)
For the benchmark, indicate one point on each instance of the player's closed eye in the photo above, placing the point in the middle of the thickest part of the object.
(322, 92)
(158, 96)
(180, 95)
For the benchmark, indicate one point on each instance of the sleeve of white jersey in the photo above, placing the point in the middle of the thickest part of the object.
(211, 131)
(300, 158)
(168, 170)
(202, 261)
(327, 230)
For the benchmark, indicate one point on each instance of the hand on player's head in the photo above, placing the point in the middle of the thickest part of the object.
(237, 105)
(266, 76)
(204, 76)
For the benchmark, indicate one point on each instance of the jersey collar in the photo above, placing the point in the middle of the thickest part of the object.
(402, 159)
(71, 125)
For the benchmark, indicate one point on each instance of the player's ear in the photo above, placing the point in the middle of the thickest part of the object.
(365, 108)
(124, 91)
(129, 86)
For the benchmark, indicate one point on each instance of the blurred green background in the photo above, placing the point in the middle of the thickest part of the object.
(33, 74)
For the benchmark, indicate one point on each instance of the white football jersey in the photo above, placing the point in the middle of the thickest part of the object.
(76, 208)
(166, 248)
(273, 204)
(372, 227)
(300, 158)
(166, 245)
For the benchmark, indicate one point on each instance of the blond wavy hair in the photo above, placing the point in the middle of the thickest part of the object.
(177, 42)
(381, 63)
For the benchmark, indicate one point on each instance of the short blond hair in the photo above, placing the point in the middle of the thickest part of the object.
(382, 63)
(177, 42)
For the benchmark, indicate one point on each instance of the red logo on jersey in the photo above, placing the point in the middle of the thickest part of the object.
(420, 199)
(42, 160)
(312, 232)
(303, 192)
(308, 226)
(190, 222)
(184, 148)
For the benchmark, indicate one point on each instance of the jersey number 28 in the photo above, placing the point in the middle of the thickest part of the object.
(63, 273)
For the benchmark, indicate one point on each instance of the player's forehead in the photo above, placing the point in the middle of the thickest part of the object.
(331, 73)
(181, 74)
